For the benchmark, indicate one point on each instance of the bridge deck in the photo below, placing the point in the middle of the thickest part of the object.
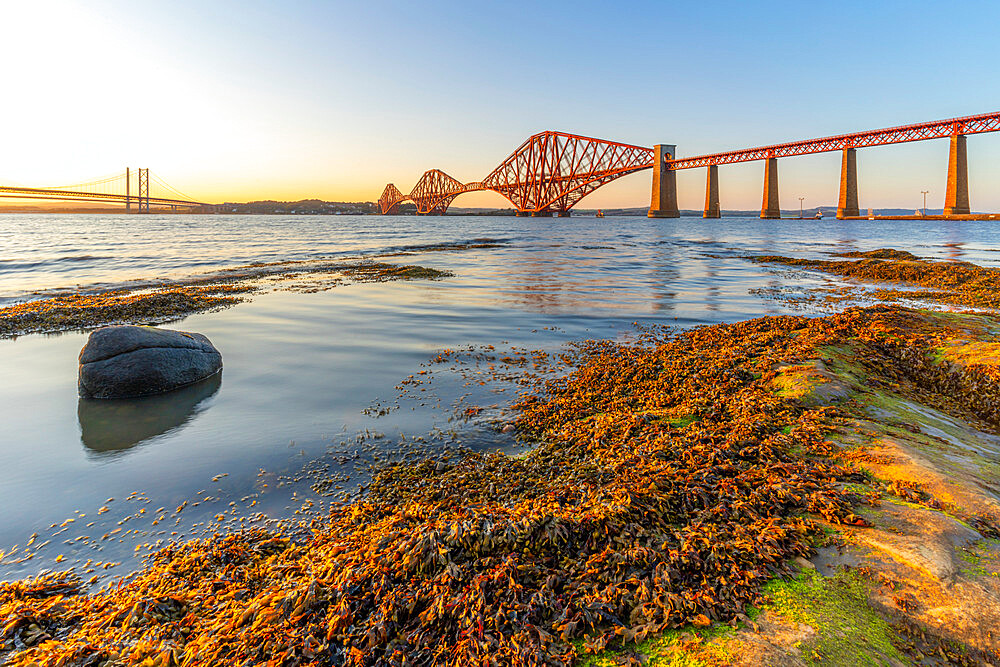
(555, 169)
(939, 129)
(70, 195)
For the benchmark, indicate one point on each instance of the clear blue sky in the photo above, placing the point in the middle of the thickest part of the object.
(230, 100)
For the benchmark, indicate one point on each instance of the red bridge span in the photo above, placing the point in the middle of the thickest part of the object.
(552, 171)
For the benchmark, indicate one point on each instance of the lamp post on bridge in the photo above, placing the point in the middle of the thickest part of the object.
(800, 207)
(924, 209)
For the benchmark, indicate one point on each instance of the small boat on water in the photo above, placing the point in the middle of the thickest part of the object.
(600, 213)
(819, 215)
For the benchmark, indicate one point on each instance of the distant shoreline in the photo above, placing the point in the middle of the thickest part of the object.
(315, 207)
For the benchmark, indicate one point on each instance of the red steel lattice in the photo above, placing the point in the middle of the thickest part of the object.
(550, 171)
(389, 201)
(553, 171)
(987, 122)
(434, 191)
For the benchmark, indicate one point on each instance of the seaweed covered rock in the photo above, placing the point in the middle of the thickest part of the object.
(132, 361)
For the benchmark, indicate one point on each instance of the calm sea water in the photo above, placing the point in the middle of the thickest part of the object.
(301, 369)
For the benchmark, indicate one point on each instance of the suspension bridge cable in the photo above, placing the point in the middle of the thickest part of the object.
(180, 195)
(91, 184)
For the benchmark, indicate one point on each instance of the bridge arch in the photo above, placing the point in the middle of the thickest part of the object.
(503, 202)
(550, 172)
(434, 192)
(390, 200)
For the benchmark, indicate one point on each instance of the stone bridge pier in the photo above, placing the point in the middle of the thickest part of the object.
(847, 203)
(956, 198)
(712, 209)
(663, 203)
(769, 207)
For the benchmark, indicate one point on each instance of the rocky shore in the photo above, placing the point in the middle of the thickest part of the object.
(781, 491)
(898, 276)
(159, 303)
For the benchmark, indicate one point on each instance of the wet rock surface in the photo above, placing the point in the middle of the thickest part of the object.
(927, 541)
(133, 361)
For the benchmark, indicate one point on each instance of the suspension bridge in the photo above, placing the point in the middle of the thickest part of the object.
(551, 172)
(137, 189)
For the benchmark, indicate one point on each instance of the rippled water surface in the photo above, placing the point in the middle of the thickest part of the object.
(301, 368)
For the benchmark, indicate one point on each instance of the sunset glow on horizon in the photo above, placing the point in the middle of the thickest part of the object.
(241, 101)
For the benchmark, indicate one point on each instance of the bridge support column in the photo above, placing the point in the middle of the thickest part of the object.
(522, 214)
(847, 205)
(144, 190)
(770, 209)
(544, 213)
(956, 199)
(663, 202)
(712, 209)
(563, 214)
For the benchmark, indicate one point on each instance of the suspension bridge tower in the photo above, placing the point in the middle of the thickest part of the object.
(144, 191)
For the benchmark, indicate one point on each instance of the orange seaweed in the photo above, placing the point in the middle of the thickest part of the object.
(617, 525)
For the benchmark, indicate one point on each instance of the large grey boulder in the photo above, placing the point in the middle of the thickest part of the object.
(130, 361)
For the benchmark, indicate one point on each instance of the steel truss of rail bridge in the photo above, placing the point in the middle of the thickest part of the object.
(552, 171)
(137, 194)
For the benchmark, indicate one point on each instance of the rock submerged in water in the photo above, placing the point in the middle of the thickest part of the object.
(131, 361)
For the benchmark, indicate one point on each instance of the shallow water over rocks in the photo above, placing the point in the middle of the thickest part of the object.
(306, 373)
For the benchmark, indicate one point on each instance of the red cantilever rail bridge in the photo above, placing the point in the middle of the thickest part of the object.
(552, 171)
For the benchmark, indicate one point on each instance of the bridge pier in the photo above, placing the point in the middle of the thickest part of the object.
(563, 214)
(544, 213)
(663, 202)
(770, 209)
(956, 199)
(847, 205)
(712, 209)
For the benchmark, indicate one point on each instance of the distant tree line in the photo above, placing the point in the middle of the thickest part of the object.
(303, 207)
